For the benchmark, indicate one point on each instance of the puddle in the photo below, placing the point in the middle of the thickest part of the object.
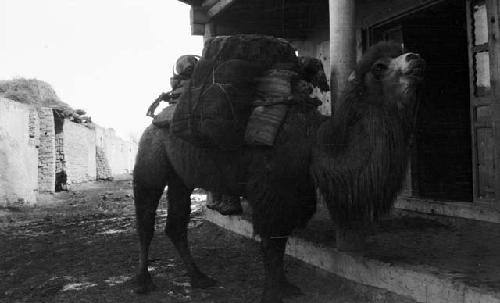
(78, 286)
(112, 232)
(112, 281)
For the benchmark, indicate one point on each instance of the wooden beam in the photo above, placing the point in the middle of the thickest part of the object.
(197, 29)
(208, 3)
(218, 7)
(198, 15)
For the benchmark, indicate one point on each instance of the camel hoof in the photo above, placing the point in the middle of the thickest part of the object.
(144, 284)
(202, 281)
(145, 288)
(271, 298)
(288, 290)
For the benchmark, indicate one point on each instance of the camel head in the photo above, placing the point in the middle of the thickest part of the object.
(363, 150)
(391, 76)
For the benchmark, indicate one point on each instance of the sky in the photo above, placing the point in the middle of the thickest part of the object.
(111, 58)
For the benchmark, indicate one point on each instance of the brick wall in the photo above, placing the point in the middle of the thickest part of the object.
(79, 152)
(18, 153)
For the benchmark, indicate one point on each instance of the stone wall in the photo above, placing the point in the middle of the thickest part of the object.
(102, 165)
(79, 152)
(18, 153)
(46, 151)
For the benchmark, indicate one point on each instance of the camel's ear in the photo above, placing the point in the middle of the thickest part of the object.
(379, 69)
(352, 76)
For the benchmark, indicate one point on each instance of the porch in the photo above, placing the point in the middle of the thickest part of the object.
(426, 258)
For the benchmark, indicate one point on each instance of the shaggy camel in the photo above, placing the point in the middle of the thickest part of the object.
(357, 159)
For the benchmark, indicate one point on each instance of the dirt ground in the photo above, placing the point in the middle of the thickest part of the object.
(81, 246)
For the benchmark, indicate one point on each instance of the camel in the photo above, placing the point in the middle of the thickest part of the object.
(357, 159)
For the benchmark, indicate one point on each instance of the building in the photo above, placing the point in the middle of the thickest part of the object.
(454, 169)
(42, 151)
(457, 145)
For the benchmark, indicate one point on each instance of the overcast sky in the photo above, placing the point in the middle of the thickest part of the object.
(109, 57)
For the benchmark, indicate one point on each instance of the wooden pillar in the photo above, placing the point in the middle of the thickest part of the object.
(342, 46)
(342, 61)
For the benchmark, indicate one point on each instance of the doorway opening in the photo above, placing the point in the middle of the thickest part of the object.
(441, 164)
(60, 165)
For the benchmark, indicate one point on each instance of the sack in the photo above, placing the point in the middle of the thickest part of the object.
(262, 51)
(214, 108)
(264, 124)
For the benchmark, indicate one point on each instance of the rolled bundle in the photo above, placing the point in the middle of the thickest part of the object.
(274, 90)
(265, 52)
(275, 83)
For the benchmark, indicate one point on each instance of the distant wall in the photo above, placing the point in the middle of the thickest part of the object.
(39, 148)
(119, 154)
(79, 152)
(18, 153)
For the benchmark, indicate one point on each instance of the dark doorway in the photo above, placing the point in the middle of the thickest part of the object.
(442, 159)
(60, 165)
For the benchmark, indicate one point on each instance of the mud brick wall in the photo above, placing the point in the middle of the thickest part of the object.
(18, 153)
(79, 152)
(46, 156)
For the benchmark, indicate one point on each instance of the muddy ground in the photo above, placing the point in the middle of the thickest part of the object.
(81, 246)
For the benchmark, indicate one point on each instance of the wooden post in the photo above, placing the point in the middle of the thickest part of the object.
(209, 30)
(199, 18)
(342, 61)
(342, 46)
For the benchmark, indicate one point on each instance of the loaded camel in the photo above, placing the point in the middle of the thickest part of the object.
(357, 159)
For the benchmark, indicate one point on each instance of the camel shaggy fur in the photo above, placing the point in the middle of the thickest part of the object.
(357, 159)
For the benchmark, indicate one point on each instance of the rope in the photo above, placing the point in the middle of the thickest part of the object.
(278, 237)
(270, 101)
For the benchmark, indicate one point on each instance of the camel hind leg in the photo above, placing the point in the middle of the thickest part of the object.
(176, 228)
(146, 202)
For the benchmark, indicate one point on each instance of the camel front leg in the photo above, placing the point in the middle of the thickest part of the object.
(273, 251)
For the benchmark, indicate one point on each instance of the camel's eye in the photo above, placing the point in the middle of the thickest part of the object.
(378, 69)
